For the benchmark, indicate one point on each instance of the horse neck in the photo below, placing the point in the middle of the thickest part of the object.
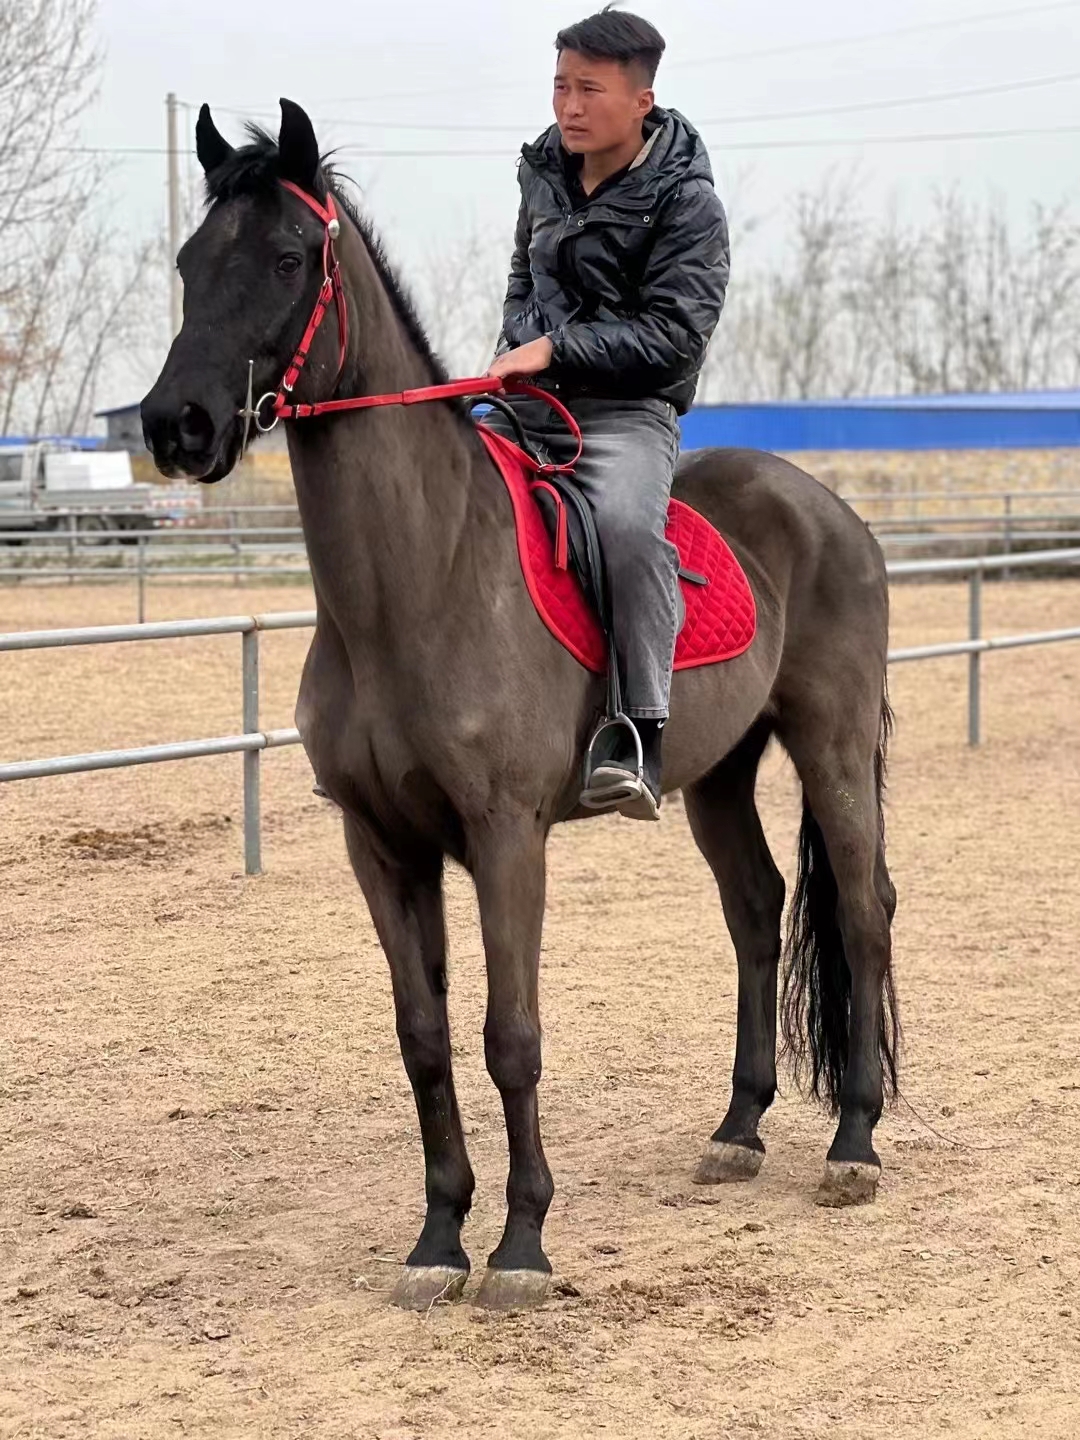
(384, 494)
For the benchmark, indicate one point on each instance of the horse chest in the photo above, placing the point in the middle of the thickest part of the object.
(392, 757)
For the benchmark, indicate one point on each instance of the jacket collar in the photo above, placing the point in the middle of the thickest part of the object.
(646, 172)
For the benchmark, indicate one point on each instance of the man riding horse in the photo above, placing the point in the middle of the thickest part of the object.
(616, 284)
(436, 705)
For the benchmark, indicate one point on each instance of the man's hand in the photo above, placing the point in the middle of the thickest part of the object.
(528, 359)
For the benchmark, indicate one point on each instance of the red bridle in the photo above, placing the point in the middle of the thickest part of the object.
(332, 291)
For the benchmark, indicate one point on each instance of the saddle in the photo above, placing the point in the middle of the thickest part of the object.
(563, 568)
(571, 527)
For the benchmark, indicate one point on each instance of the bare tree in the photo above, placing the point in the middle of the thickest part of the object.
(862, 305)
(882, 309)
(461, 294)
(48, 76)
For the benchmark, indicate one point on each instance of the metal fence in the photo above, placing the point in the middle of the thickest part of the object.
(977, 645)
(253, 740)
(250, 743)
(225, 553)
(265, 543)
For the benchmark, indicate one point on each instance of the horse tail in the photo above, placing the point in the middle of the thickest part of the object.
(817, 981)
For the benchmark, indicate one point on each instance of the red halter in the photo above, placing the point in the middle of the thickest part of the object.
(332, 290)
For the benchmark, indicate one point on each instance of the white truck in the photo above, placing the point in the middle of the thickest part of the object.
(47, 485)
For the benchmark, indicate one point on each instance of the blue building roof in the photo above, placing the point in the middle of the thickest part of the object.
(1030, 420)
(81, 442)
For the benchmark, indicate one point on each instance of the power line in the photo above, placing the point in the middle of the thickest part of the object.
(737, 57)
(899, 101)
(941, 137)
(364, 152)
(958, 22)
(851, 108)
(111, 150)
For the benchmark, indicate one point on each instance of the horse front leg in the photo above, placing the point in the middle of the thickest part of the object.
(507, 864)
(406, 904)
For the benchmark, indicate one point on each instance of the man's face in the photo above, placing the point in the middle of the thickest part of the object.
(599, 104)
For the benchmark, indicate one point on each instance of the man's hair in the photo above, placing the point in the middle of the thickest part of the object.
(613, 35)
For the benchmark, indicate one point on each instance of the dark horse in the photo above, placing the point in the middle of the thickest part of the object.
(445, 720)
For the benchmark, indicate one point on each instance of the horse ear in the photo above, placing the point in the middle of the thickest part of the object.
(298, 150)
(210, 145)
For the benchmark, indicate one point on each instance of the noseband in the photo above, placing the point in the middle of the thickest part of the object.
(332, 292)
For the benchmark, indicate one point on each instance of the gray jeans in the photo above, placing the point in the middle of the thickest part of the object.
(625, 470)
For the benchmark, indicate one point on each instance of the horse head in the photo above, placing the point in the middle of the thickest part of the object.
(252, 274)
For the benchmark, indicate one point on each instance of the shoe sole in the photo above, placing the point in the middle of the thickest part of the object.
(612, 788)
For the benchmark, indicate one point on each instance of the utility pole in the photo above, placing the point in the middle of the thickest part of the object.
(175, 291)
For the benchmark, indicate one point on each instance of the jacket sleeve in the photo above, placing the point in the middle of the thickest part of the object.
(520, 283)
(680, 299)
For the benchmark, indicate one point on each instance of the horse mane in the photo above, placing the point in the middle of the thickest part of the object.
(253, 169)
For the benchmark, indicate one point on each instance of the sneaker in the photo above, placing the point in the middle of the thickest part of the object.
(615, 782)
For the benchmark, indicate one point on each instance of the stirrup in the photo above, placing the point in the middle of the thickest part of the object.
(608, 786)
(617, 785)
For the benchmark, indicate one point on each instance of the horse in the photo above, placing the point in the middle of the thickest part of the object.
(444, 720)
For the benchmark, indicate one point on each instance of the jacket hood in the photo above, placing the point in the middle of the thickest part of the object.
(678, 154)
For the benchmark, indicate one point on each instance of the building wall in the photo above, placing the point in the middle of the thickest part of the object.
(957, 422)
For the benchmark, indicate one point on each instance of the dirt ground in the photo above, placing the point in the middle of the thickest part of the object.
(209, 1160)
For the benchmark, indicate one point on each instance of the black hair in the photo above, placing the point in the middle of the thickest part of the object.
(612, 34)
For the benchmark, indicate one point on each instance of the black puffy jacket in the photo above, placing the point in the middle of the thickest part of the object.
(630, 285)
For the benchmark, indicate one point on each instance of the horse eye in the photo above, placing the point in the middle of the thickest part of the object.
(289, 264)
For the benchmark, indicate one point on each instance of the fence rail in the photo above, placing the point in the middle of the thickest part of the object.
(252, 741)
(265, 543)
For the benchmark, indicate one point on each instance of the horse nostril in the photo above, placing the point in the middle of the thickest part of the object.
(159, 430)
(196, 428)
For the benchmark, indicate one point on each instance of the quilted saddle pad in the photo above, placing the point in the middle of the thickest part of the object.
(721, 617)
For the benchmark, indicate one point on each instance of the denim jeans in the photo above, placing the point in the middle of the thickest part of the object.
(625, 471)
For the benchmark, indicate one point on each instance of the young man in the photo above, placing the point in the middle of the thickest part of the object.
(617, 281)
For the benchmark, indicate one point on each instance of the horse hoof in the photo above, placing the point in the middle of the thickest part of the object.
(513, 1289)
(724, 1164)
(419, 1287)
(847, 1182)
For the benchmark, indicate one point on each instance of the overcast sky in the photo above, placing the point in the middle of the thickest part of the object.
(400, 78)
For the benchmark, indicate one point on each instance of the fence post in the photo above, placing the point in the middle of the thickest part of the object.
(1008, 532)
(72, 526)
(252, 838)
(141, 564)
(974, 633)
(235, 545)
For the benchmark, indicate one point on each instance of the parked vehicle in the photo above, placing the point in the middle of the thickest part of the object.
(49, 485)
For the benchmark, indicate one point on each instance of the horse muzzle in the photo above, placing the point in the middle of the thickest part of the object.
(186, 441)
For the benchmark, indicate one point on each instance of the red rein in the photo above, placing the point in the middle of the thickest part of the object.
(332, 292)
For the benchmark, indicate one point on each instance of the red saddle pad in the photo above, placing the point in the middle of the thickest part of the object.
(721, 617)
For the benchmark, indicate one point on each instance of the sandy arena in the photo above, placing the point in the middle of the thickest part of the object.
(209, 1159)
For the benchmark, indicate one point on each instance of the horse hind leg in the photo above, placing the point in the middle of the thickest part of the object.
(406, 904)
(725, 823)
(839, 1008)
